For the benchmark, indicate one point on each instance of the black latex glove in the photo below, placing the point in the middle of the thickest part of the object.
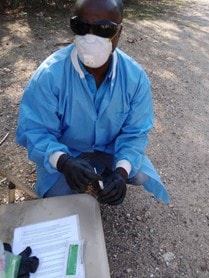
(78, 172)
(28, 264)
(114, 190)
(7, 247)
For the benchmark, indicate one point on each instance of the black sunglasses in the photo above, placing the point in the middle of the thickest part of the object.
(104, 28)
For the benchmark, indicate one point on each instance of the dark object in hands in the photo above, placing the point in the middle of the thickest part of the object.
(78, 172)
(28, 264)
(115, 188)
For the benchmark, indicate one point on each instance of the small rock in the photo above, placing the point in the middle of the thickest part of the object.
(6, 70)
(22, 199)
(168, 257)
(40, 14)
(151, 230)
(147, 214)
(129, 270)
(138, 218)
(131, 40)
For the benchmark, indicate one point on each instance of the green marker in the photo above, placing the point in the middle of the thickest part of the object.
(72, 259)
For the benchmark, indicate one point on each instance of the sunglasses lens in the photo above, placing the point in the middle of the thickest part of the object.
(105, 30)
(79, 27)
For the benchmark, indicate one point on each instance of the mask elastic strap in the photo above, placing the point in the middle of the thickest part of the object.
(121, 25)
(115, 61)
(74, 59)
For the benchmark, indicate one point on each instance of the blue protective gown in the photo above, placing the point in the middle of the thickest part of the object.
(62, 110)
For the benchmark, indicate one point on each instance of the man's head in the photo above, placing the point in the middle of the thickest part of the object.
(105, 9)
(93, 11)
(102, 18)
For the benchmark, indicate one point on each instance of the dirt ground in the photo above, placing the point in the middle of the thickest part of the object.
(144, 238)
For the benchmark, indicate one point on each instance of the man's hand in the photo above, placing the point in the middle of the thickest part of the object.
(114, 190)
(78, 172)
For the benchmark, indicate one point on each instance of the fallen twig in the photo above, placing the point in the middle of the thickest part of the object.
(4, 138)
(2, 181)
(63, 43)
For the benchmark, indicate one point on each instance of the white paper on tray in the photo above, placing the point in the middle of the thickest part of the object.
(49, 241)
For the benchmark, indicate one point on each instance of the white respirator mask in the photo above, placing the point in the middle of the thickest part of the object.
(93, 50)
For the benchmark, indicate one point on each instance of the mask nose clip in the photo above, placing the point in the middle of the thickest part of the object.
(90, 38)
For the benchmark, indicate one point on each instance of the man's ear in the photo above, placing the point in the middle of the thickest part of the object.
(121, 28)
